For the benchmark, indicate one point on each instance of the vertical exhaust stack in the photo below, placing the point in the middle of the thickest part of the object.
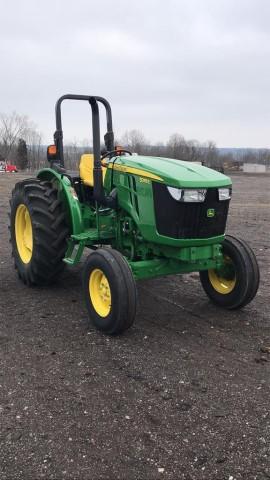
(97, 172)
(99, 194)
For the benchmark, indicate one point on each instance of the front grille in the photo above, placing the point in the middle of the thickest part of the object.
(189, 220)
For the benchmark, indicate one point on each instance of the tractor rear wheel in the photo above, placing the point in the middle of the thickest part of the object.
(38, 231)
(110, 291)
(235, 284)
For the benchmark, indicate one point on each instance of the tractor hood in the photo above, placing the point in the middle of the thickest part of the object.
(176, 173)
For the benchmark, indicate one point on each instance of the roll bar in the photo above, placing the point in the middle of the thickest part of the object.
(108, 138)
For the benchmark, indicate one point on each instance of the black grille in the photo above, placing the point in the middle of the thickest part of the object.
(189, 220)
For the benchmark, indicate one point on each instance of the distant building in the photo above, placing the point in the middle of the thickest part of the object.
(254, 168)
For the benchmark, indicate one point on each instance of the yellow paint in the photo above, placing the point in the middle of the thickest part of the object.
(87, 165)
(24, 233)
(100, 293)
(135, 171)
(86, 169)
(220, 284)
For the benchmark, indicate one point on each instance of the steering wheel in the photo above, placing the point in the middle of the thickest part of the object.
(109, 154)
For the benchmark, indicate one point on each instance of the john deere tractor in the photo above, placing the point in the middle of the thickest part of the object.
(139, 216)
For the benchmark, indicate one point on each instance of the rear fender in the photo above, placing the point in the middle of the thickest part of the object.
(69, 196)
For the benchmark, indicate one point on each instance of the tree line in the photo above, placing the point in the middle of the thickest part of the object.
(21, 143)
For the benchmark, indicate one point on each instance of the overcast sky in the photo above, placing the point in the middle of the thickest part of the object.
(197, 67)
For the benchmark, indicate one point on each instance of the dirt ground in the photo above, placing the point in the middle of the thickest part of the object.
(184, 394)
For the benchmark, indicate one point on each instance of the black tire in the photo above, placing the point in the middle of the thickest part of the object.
(246, 276)
(49, 231)
(121, 308)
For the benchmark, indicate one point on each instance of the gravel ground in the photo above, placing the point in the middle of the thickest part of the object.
(184, 394)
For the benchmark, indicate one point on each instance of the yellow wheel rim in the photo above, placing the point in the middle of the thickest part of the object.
(223, 280)
(24, 233)
(100, 292)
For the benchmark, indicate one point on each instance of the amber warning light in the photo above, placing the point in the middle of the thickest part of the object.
(52, 149)
(51, 153)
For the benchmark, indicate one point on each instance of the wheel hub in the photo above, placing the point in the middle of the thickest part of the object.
(224, 279)
(24, 233)
(100, 292)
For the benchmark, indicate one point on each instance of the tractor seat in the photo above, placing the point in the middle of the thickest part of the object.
(86, 169)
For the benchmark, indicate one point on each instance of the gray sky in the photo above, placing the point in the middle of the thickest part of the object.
(197, 67)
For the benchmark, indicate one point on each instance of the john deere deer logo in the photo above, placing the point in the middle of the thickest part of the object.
(210, 213)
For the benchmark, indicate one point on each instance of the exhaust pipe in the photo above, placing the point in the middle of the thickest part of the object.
(99, 194)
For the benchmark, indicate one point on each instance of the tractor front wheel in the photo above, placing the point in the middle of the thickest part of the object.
(235, 284)
(110, 291)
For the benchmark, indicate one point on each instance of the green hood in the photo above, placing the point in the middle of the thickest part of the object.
(177, 173)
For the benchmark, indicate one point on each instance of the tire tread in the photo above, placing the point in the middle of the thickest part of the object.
(248, 272)
(50, 231)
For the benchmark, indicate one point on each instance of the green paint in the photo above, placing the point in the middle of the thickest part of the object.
(71, 202)
(210, 213)
(131, 228)
(159, 267)
(175, 173)
(145, 219)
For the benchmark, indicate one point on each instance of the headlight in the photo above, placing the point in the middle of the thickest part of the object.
(188, 195)
(176, 193)
(224, 193)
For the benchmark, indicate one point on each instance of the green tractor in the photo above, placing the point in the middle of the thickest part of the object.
(140, 216)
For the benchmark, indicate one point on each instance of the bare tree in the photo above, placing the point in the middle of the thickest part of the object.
(157, 150)
(15, 126)
(211, 156)
(72, 155)
(12, 127)
(177, 147)
(36, 151)
(135, 141)
(86, 145)
(261, 156)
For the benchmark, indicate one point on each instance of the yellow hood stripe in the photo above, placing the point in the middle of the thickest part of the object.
(135, 171)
